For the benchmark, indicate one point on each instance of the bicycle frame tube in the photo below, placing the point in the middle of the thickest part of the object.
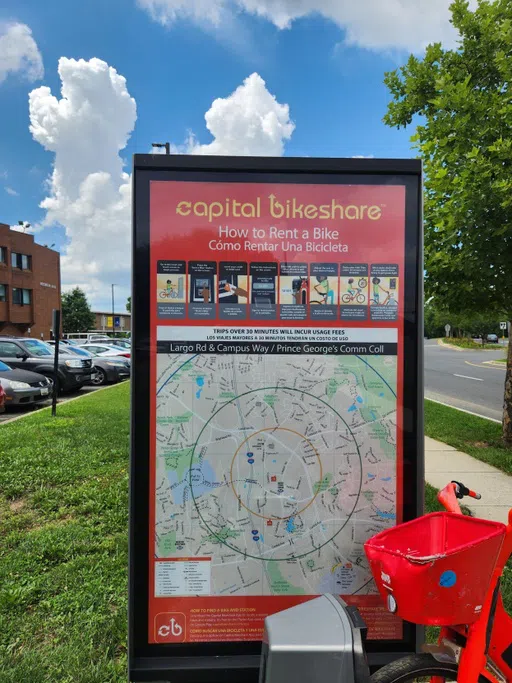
(474, 654)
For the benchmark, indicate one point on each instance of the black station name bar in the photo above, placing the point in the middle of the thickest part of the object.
(286, 348)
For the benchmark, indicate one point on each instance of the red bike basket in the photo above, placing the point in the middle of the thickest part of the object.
(436, 569)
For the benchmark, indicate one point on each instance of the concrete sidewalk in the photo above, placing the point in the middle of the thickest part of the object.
(444, 463)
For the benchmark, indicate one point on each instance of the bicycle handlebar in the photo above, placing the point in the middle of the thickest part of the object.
(461, 491)
(453, 492)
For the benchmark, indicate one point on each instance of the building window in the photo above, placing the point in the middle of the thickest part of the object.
(3, 254)
(22, 297)
(3, 292)
(21, 261)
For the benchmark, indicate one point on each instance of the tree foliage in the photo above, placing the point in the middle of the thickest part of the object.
(462, 324)
(465, 141)
(129, 304)
(464, 136)
(76, 312)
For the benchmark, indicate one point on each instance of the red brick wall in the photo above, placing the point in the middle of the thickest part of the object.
(43, 280)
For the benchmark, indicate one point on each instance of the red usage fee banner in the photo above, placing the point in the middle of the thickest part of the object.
(276, 405)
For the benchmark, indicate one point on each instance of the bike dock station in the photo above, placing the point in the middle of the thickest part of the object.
(276, 414)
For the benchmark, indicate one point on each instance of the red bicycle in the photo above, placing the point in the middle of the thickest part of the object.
(444, 569)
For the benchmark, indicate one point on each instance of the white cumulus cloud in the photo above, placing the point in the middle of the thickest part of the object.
(90, 194)
(19, 52)
(249, 122)
(372, 24)
(10, 191)
(25, 226)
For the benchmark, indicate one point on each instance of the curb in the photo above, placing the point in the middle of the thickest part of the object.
(62, 403)
(450, 346)
(469, 412)
(494, 364)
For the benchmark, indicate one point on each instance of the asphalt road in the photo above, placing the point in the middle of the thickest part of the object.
(464, 380)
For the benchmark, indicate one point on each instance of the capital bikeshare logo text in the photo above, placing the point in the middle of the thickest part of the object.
(289, 208)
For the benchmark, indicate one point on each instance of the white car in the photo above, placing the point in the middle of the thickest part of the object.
(106, 350)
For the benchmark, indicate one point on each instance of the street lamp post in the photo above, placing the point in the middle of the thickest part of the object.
(113, 319)
(160, 145)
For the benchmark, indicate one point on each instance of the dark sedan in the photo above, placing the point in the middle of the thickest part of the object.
(23, 387)
(107, 370)
(24, 353)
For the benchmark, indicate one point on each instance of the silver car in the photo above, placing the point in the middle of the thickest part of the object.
(23, 387)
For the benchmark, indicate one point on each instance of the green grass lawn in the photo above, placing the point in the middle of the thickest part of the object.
(63, 549)
(473, 435)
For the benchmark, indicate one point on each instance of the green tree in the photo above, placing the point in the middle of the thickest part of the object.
(76, 312)
(129, 304)
(464, 137)
(435, 319)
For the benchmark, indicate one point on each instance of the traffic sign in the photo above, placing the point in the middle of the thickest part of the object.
(503, 326)
(447, 329)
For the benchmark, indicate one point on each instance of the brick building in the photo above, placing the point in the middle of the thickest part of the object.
(29, 285)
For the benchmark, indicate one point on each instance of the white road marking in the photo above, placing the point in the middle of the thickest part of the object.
(477, 379)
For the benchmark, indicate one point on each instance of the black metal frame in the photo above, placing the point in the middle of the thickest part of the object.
(233, 662)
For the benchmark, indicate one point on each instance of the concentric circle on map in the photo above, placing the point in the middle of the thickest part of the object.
(287, 474)
(261, 457)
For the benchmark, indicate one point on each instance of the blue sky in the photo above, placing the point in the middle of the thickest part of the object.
(327, 67)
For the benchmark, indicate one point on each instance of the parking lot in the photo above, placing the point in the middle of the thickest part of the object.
(17, 411)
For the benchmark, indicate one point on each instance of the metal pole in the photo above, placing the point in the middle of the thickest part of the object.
(113, 321)
(56, 336)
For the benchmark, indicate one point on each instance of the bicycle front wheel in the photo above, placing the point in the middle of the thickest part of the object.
(417, 668)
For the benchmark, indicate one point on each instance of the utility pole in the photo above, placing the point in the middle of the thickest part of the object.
(56, 336)
(113, 319)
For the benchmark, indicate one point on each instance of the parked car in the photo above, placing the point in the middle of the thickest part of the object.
(106, 350)
(86, 337)
(106, 369)
(2, 399)
(492, 339)
(68, 342)
(121, 343)
(23, 387)
(33, 354)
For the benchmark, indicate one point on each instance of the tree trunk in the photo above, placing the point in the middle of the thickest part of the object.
(507, 402)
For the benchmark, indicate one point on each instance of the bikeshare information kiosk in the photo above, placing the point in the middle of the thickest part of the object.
(276, 402)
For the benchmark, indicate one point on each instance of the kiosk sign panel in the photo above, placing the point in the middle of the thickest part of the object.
(275, 321)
